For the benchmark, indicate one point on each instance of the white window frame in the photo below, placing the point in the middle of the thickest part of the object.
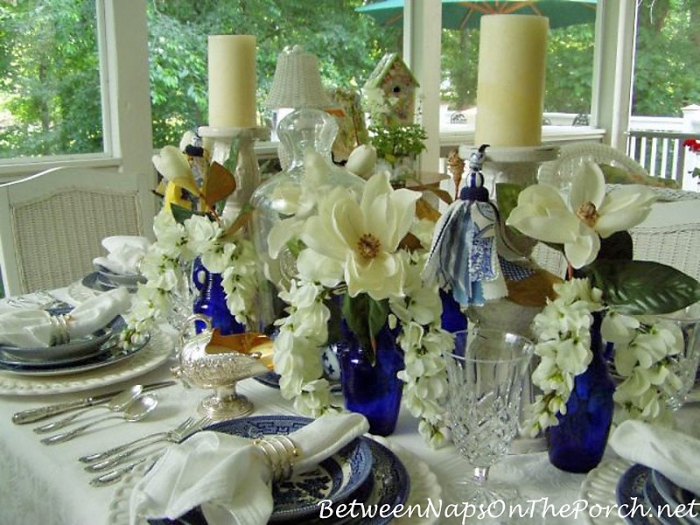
(126, 107)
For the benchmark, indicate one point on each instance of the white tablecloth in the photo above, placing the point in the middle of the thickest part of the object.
(42, 484)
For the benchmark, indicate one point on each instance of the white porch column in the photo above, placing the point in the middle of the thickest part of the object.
(613, 69)
(422, 52)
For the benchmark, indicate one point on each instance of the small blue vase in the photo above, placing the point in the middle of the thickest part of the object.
(211, 302)
(372, 390)
(577, 444)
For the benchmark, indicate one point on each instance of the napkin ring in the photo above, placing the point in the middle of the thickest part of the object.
(281, 453)
(61, 334)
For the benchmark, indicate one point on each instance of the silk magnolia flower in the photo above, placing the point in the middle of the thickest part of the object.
(589, 215)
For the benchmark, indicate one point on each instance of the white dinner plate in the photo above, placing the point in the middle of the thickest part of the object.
(157, 352)
(599, 488)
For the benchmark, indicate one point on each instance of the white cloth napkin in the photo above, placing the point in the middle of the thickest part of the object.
(672, 453)
(124, 254)
(34, 328)
(229, 476)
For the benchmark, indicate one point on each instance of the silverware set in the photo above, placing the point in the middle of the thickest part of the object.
(124, 458)
(130, 405)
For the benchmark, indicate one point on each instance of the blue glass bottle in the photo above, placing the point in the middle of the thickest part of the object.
(372, 390)
(211, 302)
(452, 319)
(577, 444)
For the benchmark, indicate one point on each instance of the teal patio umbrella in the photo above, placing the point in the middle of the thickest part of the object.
(457, 14)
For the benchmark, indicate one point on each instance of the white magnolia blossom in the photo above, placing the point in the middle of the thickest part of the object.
(355, 247)
(589, 214)
(363, 236)
(298, 201)
(172, 164)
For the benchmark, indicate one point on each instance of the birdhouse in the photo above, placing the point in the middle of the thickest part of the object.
(393, 78)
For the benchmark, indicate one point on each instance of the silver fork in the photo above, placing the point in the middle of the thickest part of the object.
(173, 436)
(117, 474)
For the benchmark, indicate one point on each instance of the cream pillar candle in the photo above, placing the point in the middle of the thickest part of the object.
(232, 81)
(510, 90)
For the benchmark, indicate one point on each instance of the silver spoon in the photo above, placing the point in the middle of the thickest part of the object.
(134, 412)
(116, 404)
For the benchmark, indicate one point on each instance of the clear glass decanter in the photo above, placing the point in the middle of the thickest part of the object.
(307, 137)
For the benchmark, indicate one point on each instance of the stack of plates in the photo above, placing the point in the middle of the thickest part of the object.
(655, 499)
(96, 350)
(103, 280)
(363, 472)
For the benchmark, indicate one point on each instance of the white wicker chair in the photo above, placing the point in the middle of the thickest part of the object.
(52, 223)
(671, 235)
(558, 172)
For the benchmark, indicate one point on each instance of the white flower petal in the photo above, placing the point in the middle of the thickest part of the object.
(588, 185)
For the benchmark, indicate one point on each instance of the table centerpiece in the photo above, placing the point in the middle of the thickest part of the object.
(604, 310)
(193, 240)
(358, 288)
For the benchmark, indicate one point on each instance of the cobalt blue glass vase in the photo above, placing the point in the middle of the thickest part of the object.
(452, 319)
(578, 442)
(372, 389)
(211, 302)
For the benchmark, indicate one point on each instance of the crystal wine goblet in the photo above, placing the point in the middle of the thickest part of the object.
(684, 365)
(485, 375)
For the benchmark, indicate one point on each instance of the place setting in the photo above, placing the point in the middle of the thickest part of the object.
(652, 482)
(312, 473)
(119, 267)
(63, 349)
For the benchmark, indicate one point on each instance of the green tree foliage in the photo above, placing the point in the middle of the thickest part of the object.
(668, 53)
(49, 73)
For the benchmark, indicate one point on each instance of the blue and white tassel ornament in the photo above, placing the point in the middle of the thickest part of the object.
(464, 256)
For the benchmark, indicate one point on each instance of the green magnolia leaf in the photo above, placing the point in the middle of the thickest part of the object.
(642, 287)
(365, 317)
(618, 246)
(182, 214)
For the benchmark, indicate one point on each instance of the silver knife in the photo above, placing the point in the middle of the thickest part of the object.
(37, 414)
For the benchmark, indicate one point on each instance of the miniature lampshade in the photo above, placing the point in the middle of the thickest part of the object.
(297, 82)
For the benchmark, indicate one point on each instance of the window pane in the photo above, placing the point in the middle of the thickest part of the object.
(665, 87)
(667, 57)
(568, 81)
(347, 44)
(50, 102)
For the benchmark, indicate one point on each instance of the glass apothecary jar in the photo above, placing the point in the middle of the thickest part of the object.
(283, 202)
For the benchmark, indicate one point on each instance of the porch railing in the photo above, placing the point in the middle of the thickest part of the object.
(660, 152)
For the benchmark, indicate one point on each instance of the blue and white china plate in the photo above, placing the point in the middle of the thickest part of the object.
(387, 482)
(116, 279)
(630, 492)
(335, 479)
(665, 491)
(73, 351)
(94, 282)
(98, 282)
(111, 352)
